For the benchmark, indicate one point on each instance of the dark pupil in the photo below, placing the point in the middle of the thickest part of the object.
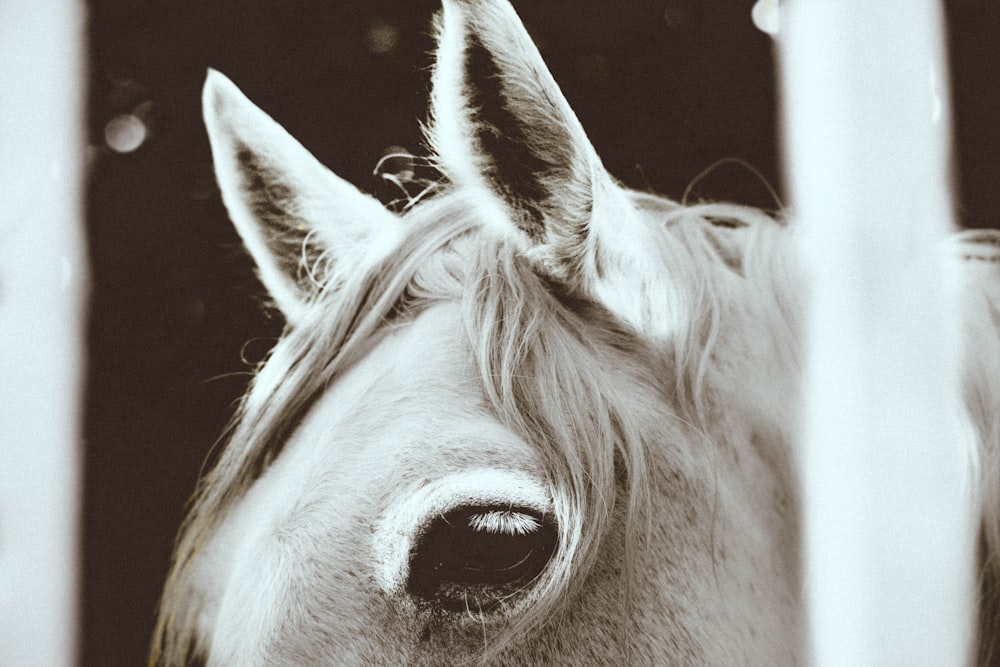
(467, 562)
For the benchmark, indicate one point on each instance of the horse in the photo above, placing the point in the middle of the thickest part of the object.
(536, 417)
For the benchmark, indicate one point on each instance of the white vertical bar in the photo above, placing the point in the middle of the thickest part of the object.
(42, 286)
(886, 461)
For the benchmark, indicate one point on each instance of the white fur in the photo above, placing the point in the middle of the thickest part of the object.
(634, 283)
(452, 126)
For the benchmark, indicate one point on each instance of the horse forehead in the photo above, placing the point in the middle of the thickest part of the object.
(417, 400)
(429, 351)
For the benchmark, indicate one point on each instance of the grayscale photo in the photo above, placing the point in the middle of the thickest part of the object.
(499, 332)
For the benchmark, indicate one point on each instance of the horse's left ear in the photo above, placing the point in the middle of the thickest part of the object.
(500, 124)
(304, 226)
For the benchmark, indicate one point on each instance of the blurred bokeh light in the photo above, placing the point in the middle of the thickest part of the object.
(382, 37)
(124, 133)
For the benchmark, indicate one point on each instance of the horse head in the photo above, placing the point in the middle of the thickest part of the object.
(536, 418)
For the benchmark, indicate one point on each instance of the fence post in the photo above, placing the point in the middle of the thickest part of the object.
(42, 287)
(886, 460)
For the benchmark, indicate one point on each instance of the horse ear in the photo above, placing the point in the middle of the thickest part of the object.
(299, 221)
(499, 120)
(499, 123)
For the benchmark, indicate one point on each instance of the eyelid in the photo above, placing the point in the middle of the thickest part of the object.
(404, 520)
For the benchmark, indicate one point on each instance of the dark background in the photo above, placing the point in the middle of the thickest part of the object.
(665, 88)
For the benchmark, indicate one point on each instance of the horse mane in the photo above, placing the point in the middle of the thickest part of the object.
(527, 340)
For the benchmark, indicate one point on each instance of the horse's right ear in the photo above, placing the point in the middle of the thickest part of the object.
(301, 223)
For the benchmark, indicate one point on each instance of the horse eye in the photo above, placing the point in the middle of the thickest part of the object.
(474, 558)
